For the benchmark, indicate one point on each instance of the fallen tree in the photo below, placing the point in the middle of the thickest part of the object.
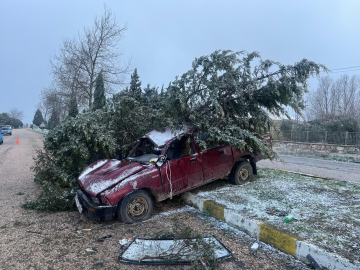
(227, 94)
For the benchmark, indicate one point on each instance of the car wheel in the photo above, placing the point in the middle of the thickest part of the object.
(242, 173)
(135, 207)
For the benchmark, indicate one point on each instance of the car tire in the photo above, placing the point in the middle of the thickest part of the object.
(135, 207)
(242, 173)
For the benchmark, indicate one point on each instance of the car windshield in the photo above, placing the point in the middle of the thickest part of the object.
(5, 129)
(144, 151)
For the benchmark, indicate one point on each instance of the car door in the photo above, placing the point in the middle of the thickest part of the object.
(216, 158)
(216, 162)
(182, 169)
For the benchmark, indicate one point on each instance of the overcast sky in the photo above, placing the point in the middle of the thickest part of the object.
(164, 37)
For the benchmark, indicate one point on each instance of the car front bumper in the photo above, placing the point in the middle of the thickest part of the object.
(93, 211)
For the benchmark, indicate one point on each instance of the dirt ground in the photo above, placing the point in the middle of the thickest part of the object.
(35, 240)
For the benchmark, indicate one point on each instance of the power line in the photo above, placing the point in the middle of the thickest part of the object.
(346, 68)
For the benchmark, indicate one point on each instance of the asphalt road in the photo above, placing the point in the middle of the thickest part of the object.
(339, 170)
(16, 176)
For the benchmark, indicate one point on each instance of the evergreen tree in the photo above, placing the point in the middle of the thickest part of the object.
(73, 107)
(99, 93)
(229, 95)
(4, 118)
(38, 118)
(162, 92)
(150, 96)
(54, 120)
(135, 86)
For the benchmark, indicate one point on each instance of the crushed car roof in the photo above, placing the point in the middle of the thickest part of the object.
(161, 138)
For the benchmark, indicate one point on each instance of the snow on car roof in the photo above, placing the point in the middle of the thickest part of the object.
(160, 138)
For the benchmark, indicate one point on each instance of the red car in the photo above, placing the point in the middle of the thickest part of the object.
(161, 165)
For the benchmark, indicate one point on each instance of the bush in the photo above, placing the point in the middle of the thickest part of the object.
(70, 147)
(77, 142)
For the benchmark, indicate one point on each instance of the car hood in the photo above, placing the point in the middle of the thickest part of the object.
(106, 173)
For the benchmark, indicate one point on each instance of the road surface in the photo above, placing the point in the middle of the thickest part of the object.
(346, 171)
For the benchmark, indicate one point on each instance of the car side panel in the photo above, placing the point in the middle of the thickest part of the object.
(217, 162)
(183, 172)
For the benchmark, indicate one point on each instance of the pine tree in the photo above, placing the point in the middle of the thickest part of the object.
(73, 107)
(135, 86)
(162, 92)
(99, 93)
(150, 96)
(38, 118)
(229, 95)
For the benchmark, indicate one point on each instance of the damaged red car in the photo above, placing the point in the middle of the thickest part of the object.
(161, 165)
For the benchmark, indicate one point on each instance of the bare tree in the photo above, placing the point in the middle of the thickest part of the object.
(16, 114)
(321, 100)
(336, 99)
(79, 61)
(53, 103)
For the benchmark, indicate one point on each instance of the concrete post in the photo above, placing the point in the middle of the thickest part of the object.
(325, 137)
(346, 137)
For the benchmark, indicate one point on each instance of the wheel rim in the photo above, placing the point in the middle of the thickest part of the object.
(244, 174)
(138, 208)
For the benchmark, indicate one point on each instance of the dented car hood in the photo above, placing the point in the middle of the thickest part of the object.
(106, 173)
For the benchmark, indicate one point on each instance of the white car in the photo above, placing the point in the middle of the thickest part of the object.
(6, 131)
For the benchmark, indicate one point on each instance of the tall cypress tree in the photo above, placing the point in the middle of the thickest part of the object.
(73, 107)
(38, 118)
(135, 85)
(54, 119)
(99, 93)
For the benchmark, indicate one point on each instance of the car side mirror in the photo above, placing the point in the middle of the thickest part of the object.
(161, 160)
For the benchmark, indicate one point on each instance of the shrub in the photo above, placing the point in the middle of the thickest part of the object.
(68, 149)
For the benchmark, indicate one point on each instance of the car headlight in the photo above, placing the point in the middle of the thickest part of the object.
(95, 200)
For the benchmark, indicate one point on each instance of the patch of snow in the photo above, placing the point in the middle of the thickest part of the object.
(113, 163)
(91, 168)
(127, 180)
(255, 246)
(101, 185)
(160, 138)
(326, 212)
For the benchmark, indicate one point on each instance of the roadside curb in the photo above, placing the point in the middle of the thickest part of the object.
(270, 235)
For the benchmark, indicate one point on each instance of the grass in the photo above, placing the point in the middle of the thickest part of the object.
(326, 211)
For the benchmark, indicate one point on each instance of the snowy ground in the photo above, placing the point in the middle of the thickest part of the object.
(326, 211)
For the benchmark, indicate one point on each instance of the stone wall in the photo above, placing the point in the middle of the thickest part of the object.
(315, 147)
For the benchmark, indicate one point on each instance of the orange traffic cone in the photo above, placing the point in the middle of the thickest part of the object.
(17, 140)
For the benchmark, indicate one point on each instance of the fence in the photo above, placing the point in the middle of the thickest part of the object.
(325, 137)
